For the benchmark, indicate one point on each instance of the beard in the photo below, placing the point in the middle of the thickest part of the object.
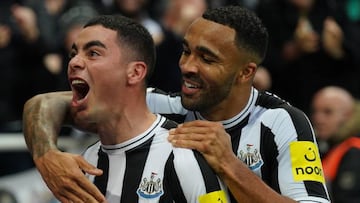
(208, 97)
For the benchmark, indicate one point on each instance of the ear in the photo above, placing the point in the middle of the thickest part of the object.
(248, 72)
(136, 72)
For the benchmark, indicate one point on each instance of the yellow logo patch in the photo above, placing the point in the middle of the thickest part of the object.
(213, 197)
(305, 162)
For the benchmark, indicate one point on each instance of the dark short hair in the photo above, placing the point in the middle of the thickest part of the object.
(131, 34)
(251, 34)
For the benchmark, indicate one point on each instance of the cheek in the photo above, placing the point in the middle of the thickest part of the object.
(220, 79)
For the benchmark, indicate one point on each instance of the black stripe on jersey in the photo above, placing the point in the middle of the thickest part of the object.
(303, 128)
(135, 163)
(313, 188)
(172, 187)
(269, 100)
(103, 164)
(168, 124)
(209, 176)
(178, 118)
(235, 133)
(269, 152)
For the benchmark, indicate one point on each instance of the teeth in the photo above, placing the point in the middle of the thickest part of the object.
(189, 85)
(74, 82)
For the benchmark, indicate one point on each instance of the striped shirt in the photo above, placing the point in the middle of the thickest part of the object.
(273, 138)
(148, 169)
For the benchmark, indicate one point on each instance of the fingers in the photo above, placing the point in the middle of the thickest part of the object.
(79, 193)
(197, 135)
(87, 167)
(196, 130)
(92, 192)
(63, 173)
(80, 196)
(89, 191)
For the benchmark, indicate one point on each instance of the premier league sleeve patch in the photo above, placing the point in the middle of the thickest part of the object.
(305, 162)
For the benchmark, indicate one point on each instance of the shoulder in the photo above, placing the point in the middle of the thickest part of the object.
(164, 103)
(277, 112)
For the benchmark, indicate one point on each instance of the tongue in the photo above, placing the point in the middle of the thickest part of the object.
(81, 90)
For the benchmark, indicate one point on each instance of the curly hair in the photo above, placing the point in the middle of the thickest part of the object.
(251, 34)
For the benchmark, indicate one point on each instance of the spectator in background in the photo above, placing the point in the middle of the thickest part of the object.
(21, 49)
(336, 118)
(137, 10)
(262, 80)
(30, 56)
(176, 18)
(307, 42)
(7, 63)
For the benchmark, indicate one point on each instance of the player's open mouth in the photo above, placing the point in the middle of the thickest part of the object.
(80, 89)
(189, 85)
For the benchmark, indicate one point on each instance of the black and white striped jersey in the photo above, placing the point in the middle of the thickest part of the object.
(273, 138)
(148, 169)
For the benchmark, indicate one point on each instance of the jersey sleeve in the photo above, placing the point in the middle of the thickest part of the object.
(300, 174)
(163, 103)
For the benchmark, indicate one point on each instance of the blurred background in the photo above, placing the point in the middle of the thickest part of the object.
(313, 44)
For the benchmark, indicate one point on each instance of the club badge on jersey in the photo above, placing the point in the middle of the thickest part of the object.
(150, 188)
(251, 157)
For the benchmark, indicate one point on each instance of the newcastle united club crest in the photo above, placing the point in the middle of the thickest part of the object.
(151, 188)
(251, 157)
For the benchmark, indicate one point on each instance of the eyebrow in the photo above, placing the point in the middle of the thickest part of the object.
(89, 45)
(202, 49)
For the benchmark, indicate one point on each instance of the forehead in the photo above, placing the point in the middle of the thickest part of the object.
(207, 33)
(325, 101)
(97, 33)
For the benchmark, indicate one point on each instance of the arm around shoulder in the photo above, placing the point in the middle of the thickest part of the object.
(43, 116)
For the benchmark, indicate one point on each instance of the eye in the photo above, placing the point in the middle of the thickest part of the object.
(72, 54)
(93, 53)
(207, 59)
(186, 51)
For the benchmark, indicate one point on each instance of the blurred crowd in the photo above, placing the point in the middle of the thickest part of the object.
(313, 44)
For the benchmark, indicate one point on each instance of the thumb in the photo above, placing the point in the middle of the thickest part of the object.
(88, 168)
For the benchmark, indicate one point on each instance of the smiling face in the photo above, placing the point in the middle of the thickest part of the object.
(210, 64)
(96, 72)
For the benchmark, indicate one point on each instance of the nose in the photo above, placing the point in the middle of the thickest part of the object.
(76, 62)
(188, 64)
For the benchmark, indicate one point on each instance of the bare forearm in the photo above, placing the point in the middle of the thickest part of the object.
(43, 117)
(247, 187)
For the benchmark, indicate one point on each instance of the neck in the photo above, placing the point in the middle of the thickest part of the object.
(230, 107)
(125, 126)
(128, 118)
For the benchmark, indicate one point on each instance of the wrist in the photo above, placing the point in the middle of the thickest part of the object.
(40, 151)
